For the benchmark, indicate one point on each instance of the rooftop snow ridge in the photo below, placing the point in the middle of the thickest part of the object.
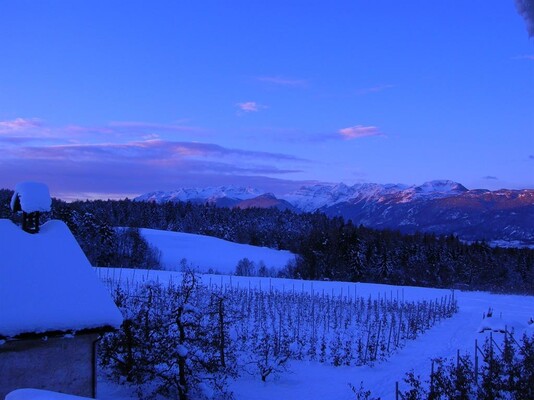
(47, 284)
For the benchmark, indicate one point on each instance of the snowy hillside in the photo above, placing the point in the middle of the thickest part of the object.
(206, 253)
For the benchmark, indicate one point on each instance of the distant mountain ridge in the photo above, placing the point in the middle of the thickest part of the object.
(442, 206)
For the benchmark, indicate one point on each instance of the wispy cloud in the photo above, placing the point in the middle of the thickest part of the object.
(490, 177)
(531, 157)
(28, 130)
(281, 81)
(359, 131)
(18, 124)
(146, 151)
(250, 106)
(374, 89)
(525, 57)
(136, 125)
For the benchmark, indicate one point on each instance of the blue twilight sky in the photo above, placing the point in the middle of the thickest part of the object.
(115, 98)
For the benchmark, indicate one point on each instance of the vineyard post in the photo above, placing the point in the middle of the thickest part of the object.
(400, 326)
(367, 344)
(378, 338)
(491, 354)
(390, 330)
(397, 390)
(476, 362)
(431, 395)
(280, 332)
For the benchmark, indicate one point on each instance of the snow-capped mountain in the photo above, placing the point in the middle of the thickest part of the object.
(224, 196)
(442, 207)
(267, 200)
(308, 198)
(321, 196)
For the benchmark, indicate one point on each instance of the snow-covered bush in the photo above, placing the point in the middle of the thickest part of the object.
(505, 372)
(174, 341)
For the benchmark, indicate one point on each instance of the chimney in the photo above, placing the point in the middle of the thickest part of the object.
(31, 198)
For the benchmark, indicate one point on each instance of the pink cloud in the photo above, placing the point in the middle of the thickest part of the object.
(19, 123)
(126, 158)
(359, 131)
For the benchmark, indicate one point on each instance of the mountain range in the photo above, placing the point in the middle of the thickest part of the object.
(504, 217)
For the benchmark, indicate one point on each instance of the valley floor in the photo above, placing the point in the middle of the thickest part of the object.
(312, 380)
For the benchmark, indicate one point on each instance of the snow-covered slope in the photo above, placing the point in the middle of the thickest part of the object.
(206, 252)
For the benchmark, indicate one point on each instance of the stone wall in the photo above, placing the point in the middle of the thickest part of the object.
(59, 364)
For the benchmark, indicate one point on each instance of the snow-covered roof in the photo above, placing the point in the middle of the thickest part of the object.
(47, 284)
(33, 196)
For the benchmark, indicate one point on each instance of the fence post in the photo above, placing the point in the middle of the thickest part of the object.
(397, 390)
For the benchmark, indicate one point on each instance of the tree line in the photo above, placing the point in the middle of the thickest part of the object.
(327, 248)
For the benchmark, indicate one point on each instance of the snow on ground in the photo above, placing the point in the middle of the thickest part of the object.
(206, 252)
(37, 394)
(312, 380)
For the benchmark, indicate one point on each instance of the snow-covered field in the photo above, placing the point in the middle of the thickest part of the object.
(312, 380)
(206, 252)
